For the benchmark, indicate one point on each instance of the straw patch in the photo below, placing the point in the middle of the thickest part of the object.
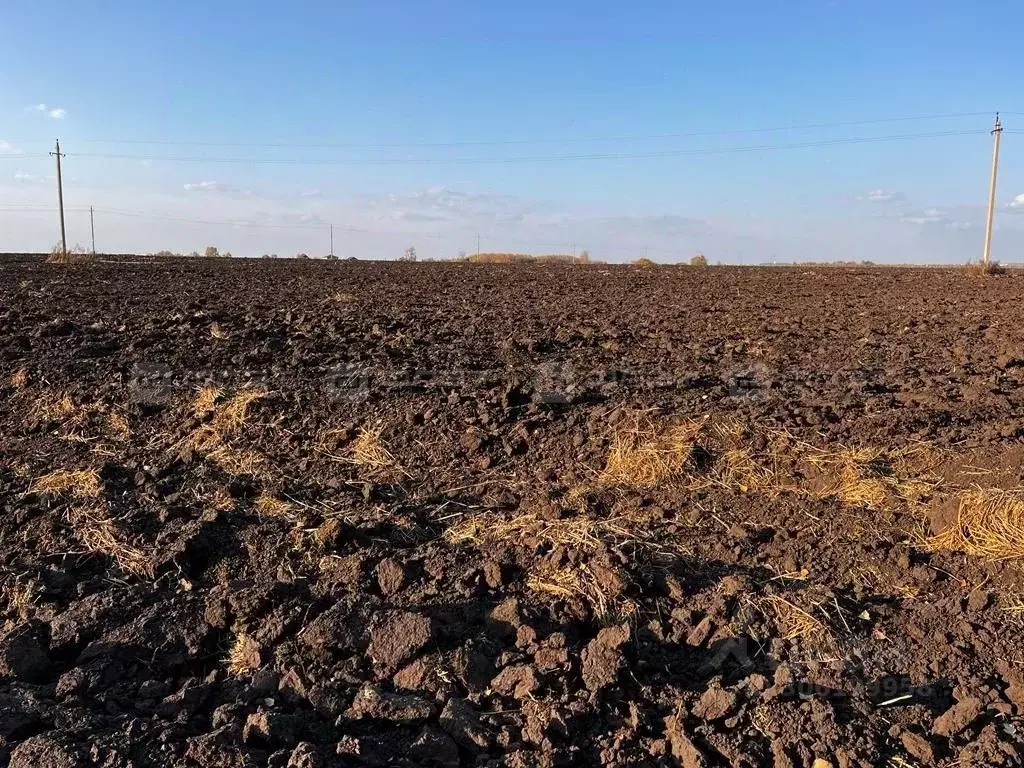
(989, 524)
(369, 450)
(84, 483)
(579, 582)
(99, 534)
(645, 454)
(794, 622)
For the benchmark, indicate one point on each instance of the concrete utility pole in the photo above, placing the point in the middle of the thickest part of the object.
(997, 132)
(60, 202)
(92, 230)
(478, 243)
(332, 239)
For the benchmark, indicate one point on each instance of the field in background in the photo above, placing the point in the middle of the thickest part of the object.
(511, 514)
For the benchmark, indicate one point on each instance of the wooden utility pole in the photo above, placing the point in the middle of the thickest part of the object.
(332, 239)
(997, 132)
(92, 230)
(60, 202)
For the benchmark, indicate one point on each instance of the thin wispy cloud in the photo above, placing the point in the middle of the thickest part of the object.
(28, 178)
(206, 186)
(57, 113)
(7, 148)
(883, 196)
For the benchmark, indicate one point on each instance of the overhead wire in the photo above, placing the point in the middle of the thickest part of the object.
(526, 159)
(566, 140)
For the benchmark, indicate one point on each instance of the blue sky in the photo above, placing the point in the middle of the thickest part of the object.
(436, 114)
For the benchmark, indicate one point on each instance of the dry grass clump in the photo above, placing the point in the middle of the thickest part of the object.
(212, 439)
(206, 399)
(83, 483)
(852, 476)
(271, 506)
(238, 462)
(726, 453)
(99, 534)
(19, 379)
(370, 451)
(18, 592)
(87, 423)
(989, 524)
(244, 655)
(766, 470)
(233, 414)
(579, 532)
(875, 478)
(218, 332)
(794, 622)
(645, 454)
(74, 255)
(221, 500)
(981, 268)
(119, 428)
(578, 582)
(53, 407)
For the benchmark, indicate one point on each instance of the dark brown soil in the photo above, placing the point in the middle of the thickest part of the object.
(386, 538)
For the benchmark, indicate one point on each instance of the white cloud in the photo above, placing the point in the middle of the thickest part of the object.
(28, 178)
(57, 113)
(220, 189)
(883, 196)
(1018, 201)
(930, 216)
(310, 193)
(205, 186)
(7, 147)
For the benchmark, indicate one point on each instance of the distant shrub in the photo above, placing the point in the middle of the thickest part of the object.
(77, 254)
(302, 256)
(331, 257)
(409, 254)
(211, 252)
(992, 268)
(166, 255)
(498, 258)
(643, 262)
(558, 258)
(700, 260)
(525, 258)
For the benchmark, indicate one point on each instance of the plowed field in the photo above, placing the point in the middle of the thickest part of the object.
(315, 514)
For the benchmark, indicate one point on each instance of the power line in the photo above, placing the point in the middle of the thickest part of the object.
(530, 159)
(568, 140)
